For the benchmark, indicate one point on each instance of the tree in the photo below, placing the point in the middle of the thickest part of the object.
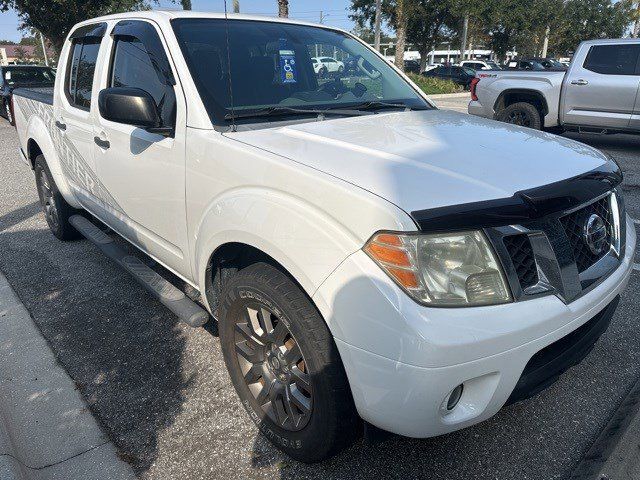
(283, 8)
(589, 19)
(7, 42)
(402, 21)
(54, 18)
(186, 4)
(428, 22)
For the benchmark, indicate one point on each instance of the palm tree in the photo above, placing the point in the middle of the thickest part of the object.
(283, 8)
(236, 6)
(186, 4)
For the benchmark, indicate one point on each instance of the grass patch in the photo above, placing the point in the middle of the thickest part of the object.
(434, 86)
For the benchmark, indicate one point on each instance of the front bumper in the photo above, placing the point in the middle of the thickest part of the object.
(403, 359)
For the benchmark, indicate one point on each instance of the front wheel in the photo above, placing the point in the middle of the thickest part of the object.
(522, 114)
(285, 366)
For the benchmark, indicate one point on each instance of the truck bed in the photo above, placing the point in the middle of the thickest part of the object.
(39, 94)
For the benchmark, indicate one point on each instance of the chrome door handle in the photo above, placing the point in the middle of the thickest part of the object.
(579, 82)
(104, 144)
(61, 126)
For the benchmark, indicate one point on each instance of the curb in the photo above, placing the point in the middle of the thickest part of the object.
(46, 430)
(444, 96)
(614, 454)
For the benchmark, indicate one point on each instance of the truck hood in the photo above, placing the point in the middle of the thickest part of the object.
(426, 159)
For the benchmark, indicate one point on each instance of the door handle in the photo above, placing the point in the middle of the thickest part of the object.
(579, 82)
(104, 144)
(60, 125)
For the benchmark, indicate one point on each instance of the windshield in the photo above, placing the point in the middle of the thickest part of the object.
(493, 65)
(271, 64)
(26, 75)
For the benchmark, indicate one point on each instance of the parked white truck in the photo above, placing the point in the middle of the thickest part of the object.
(600, 92)
(361, 262)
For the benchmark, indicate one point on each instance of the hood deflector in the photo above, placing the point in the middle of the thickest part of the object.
(523, 206)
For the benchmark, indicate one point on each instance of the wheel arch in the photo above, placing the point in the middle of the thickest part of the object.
(261, 223)
(515, 95)
(229, 258)
(39, 142)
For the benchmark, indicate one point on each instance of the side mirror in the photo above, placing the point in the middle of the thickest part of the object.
(131, 106)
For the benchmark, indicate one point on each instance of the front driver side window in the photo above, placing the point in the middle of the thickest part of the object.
(132, 67)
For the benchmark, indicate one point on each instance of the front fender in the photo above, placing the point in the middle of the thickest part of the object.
(305, 240)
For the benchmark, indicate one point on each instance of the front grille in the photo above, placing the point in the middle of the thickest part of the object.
(521, 254)
(574, 227)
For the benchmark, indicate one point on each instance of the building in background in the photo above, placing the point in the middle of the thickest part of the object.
(22, 54)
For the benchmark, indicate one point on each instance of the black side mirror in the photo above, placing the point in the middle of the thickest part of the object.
(131, 106)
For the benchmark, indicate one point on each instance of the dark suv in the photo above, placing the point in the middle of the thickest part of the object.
(14, 76)
(460, 75)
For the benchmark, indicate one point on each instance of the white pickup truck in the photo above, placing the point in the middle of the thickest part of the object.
(361, 261)
(600, 92)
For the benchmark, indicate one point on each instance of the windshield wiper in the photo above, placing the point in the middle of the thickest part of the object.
(377, 105)
(280, 111)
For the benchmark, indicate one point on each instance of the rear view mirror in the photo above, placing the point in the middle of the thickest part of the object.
(131, 106)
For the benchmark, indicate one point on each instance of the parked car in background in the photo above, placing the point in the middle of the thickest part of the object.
(525, 65)
(599, 93)
(548, 63)
(325, 65)
(14, 76)
(412, 66)
(480, 65)
(457, 74)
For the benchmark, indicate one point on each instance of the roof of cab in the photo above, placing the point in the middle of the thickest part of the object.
(159, 15)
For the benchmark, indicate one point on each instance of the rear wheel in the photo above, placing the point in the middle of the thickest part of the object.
(522, 114)
(56, 209)
(285, 365)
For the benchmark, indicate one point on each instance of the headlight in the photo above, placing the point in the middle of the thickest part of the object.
(445, 270)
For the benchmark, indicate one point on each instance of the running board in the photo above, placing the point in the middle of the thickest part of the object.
(171, 297)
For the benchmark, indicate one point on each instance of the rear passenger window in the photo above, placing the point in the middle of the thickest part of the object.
(83, 59)
(613, 59)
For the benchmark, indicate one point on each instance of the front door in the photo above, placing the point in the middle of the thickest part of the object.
(143, 171)
(602, 91)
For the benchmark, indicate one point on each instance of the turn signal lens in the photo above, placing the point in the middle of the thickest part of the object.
(393, 256)
(448, 269)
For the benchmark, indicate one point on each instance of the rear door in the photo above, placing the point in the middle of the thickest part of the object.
(144, 171)
(602, 91)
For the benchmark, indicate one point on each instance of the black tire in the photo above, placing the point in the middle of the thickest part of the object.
(5, 108)
(522, 114)
(56, 209)
(332, 423)
(340, 69)
(324, 72)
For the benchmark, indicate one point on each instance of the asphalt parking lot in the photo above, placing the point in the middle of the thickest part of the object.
(161, 392)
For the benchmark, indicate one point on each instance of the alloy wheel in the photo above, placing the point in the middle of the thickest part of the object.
(519, 118)
(273, 367)
(48, 200)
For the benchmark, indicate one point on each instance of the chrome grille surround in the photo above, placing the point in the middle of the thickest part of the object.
(562, 266)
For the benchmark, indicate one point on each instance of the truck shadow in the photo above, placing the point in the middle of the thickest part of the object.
(125, 351)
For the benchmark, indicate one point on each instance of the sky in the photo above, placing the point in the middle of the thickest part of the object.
(334, 11)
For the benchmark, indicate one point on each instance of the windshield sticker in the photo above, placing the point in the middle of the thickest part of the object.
(287, 64)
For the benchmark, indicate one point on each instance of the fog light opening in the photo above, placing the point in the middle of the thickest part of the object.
(454, 397)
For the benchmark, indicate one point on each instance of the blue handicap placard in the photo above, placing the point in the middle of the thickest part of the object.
(287, 64)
